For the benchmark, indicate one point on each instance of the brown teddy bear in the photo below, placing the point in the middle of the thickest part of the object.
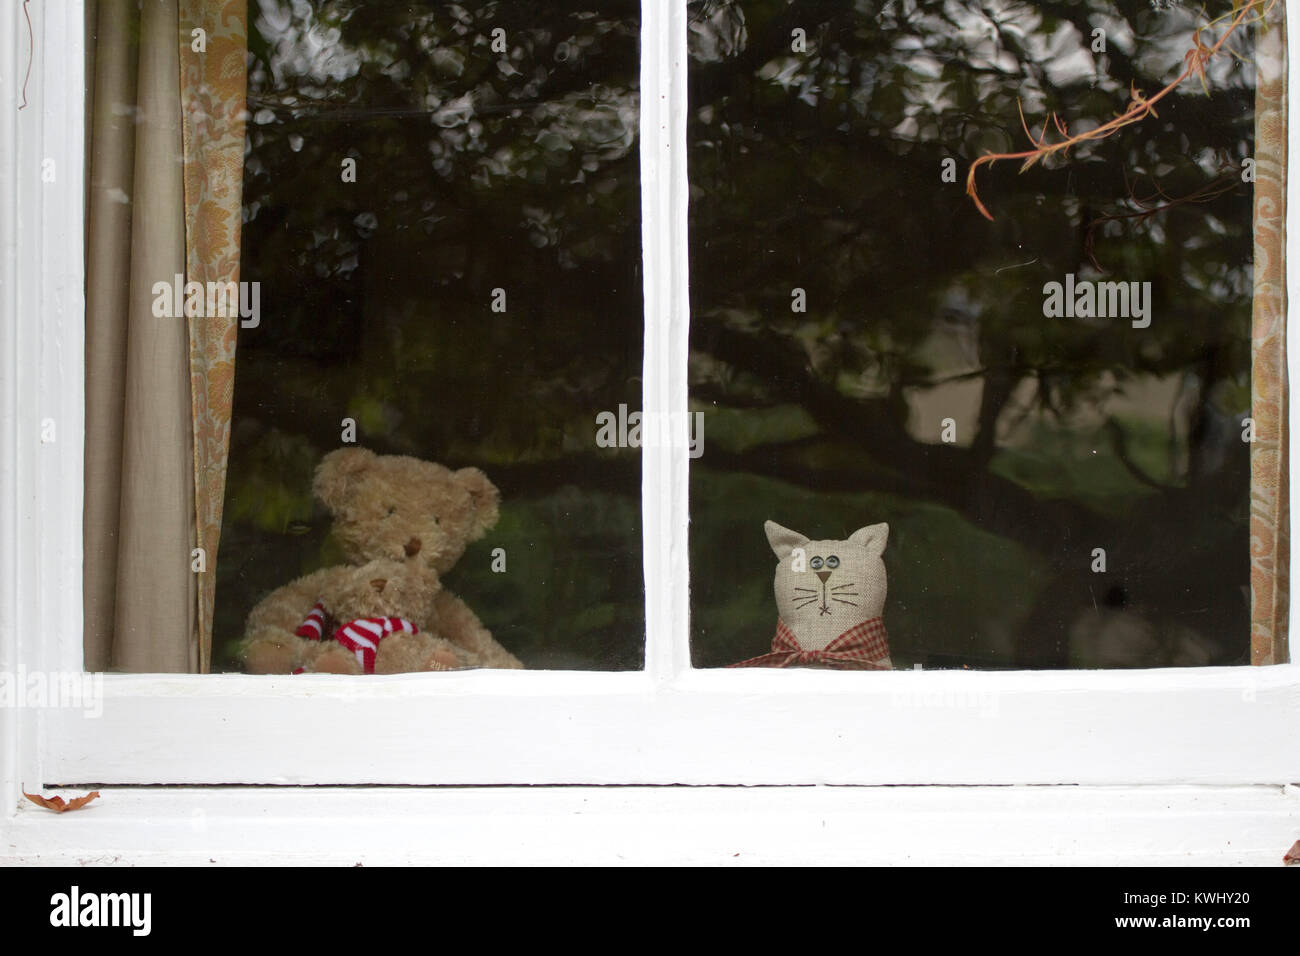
(401, 523)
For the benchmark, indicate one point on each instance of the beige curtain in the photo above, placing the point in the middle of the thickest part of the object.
(158, 389)
(1269, 505)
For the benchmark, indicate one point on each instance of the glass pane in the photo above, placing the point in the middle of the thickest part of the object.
(442, 206)
(1046, 409)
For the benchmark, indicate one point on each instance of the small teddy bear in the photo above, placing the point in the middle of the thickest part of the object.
(401, 523)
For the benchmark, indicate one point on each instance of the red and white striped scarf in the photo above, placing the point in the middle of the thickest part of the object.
(864, 646)
(314, 626)
(361, 636)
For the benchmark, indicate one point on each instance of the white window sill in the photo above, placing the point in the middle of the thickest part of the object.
(1221, 726)
(1100, 826)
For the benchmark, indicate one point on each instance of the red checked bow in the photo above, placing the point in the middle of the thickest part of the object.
(862, 647)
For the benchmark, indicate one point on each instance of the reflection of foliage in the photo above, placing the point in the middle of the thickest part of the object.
(476, 170)
(437, 101)
(1146, 207)
(274, 488)
(821, 171)
(1139, 107)
(568, 563)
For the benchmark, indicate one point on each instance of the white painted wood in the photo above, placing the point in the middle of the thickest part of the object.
(1165, 826)
(1205, 725)
(62, 308)
(11, 744)
(664, 194)
(42, 305)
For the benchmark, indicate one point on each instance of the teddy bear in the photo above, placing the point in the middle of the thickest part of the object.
(401, 523)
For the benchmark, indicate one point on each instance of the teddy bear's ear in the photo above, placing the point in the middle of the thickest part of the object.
(783, 540)
(486, 497)
(872, 537)
(337, 475)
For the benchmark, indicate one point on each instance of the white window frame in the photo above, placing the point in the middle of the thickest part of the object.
(669, 724)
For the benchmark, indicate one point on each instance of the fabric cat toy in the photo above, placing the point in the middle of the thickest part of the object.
(830, 595)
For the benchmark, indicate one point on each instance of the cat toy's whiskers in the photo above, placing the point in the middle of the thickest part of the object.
(842, 601)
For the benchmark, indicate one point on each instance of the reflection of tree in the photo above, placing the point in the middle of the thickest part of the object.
(821, 170)
(477, 169)
(1204, 46)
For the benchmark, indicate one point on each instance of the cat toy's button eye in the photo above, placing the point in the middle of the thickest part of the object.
(815, 563)
(832, 562)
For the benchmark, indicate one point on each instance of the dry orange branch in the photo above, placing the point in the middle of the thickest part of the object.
(1139, 107)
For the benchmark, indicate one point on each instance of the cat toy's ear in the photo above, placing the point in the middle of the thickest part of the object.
(783, 540)
(872, 538)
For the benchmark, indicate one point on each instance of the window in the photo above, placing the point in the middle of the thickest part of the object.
(431, 219)
(667, 723)
(448, 199)
(1058, 487)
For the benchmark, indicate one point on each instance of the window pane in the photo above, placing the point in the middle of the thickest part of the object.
(442, 206)
(1047, 409)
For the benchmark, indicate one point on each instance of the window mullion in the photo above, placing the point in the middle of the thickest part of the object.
(41, 311)
(60, 430)
(664, 206)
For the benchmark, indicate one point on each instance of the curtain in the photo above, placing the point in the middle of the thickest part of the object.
(214, 88)
(140, 594)
(1269, 505)
(163, 200)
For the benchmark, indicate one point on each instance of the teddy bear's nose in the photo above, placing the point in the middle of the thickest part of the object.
(379, 584)
(823, 575)
(413, 547)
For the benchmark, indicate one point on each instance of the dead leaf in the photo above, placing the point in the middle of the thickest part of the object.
(58, 804)
(1292, 855)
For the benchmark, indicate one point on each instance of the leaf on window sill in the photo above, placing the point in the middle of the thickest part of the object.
(58, 804)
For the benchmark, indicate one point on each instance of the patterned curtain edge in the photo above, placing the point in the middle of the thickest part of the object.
(213, 83)
(1269, 472)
